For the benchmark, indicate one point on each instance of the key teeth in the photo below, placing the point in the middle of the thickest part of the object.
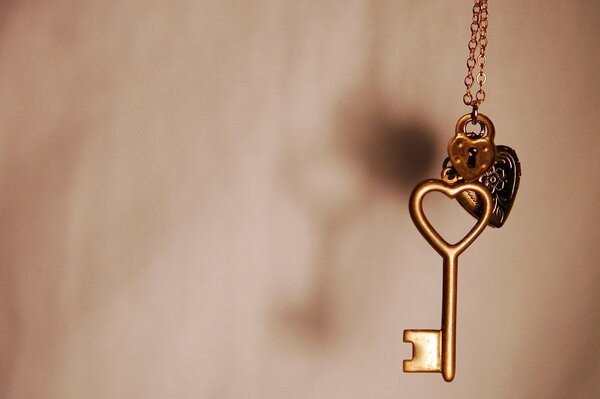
(427, 354)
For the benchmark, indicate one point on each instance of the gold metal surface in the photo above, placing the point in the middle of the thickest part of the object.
(427, 351)
(461, 145)
(435, 350)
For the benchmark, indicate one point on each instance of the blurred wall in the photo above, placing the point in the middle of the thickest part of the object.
(208, 199)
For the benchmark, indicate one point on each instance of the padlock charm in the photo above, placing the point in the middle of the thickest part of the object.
(472, 154)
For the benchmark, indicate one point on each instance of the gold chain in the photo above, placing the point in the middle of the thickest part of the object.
(479, 39)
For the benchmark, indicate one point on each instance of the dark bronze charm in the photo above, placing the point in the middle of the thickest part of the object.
(502, 181)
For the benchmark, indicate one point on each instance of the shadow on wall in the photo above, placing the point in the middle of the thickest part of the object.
(396, 153)
(378, 152)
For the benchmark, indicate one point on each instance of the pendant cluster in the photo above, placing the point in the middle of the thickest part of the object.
(484, 179)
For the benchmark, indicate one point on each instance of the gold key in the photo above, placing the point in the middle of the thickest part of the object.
(435, 350)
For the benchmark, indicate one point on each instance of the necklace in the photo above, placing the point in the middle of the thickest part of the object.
(484, 179)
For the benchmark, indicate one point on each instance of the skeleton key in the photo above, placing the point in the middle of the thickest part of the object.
(435, 350)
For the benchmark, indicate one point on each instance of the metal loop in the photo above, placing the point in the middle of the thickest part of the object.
(482, 133)
(474, 114)
(481, 60)
(468, 98)
(481, 78)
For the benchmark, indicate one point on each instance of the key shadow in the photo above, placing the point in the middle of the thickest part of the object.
(388, 155)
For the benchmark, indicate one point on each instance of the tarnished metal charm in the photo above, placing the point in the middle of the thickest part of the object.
(472, 154)
(502, 181)
(435, 350)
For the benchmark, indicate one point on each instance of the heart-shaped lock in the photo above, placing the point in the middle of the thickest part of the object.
(443, 247)
(502, 181)
(472, 154)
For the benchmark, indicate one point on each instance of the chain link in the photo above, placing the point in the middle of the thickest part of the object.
(479, 25)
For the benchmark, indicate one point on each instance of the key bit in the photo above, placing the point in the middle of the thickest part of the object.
(427, 351)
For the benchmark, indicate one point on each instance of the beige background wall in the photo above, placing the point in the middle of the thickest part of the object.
(208, 199)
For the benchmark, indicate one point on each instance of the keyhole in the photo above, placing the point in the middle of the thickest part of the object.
(472, 157)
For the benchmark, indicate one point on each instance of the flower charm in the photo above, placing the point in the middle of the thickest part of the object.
(495, 179)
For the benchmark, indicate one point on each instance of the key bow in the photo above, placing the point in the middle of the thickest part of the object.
(434, 238)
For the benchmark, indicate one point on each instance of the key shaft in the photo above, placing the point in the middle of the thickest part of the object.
(449, 297)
